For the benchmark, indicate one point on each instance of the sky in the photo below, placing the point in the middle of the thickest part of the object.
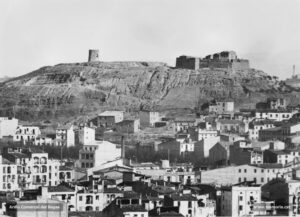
(35, 33)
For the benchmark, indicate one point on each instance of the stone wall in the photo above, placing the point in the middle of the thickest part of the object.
(240, 64)
(93, 55)
(187, 62)
(224, 60)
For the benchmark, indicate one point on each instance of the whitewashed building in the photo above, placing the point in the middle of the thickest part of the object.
(8, 126)
(65, 136)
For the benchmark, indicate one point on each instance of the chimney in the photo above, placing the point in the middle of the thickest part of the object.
(122, 148)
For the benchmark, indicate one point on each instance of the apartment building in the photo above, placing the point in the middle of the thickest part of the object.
(149, 118)
(26, 133)
(221, 107)
(108, 119)
(98, 153)
(32, 168)
(86, 135)
(65, 136)
(256, 126)
(244, 199)
(261, 174)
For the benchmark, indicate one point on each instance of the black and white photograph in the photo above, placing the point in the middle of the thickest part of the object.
(149, 108)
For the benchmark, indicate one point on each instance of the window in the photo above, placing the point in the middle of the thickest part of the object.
(245, 179)
(262, 179)
(240, 207)
(80, 198)
(240, 198)
(240, 179)
(255, 170)
(262, 170)
(190, 204)
(240, 170)
(245, 170)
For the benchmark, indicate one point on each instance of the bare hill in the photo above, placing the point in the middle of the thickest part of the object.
(80, 89)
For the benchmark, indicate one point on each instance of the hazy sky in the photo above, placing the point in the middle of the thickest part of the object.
(35, 33)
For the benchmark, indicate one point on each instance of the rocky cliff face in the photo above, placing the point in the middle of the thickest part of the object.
(69, 90)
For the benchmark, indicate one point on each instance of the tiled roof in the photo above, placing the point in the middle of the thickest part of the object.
(268, 165)
(163, 189)
(112, 190)
(183, 197)
(133, 208)
(60, 188)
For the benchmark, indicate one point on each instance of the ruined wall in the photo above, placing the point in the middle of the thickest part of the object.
(239, 65)
(186, 62)
(93, 55)
(235, 65)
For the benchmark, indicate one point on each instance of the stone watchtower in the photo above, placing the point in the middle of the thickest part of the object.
(93, 55)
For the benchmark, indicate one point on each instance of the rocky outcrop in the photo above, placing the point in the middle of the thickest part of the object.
(79, 89)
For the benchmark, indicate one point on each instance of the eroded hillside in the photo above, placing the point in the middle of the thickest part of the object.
(66, 90)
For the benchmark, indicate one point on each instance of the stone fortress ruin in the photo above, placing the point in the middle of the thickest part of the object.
(223, 60)
(93, 56)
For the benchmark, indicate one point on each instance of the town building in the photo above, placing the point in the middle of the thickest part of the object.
(256, 126)
(219, 153)
(272, 103)
(242, 152)
(282, 133)
(231, 137)
(108, 119)
(244, 199)
(86, 135)
(188, 205)
(230, 175)
(232, 126)
(183, 174)
(65, 136)
(281, 156)
(26, 133)
(221, 107)
(204, 134)
(183, 124)
(202, 147)
(42, 140)
(175, 147)
(128, 126)
(149, 118)
(30, 168)
(98, 153)
(8, 126)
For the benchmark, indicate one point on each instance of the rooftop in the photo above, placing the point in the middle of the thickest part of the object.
(111, 113)
(60, 188)
(133, 208)
(183, 197)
